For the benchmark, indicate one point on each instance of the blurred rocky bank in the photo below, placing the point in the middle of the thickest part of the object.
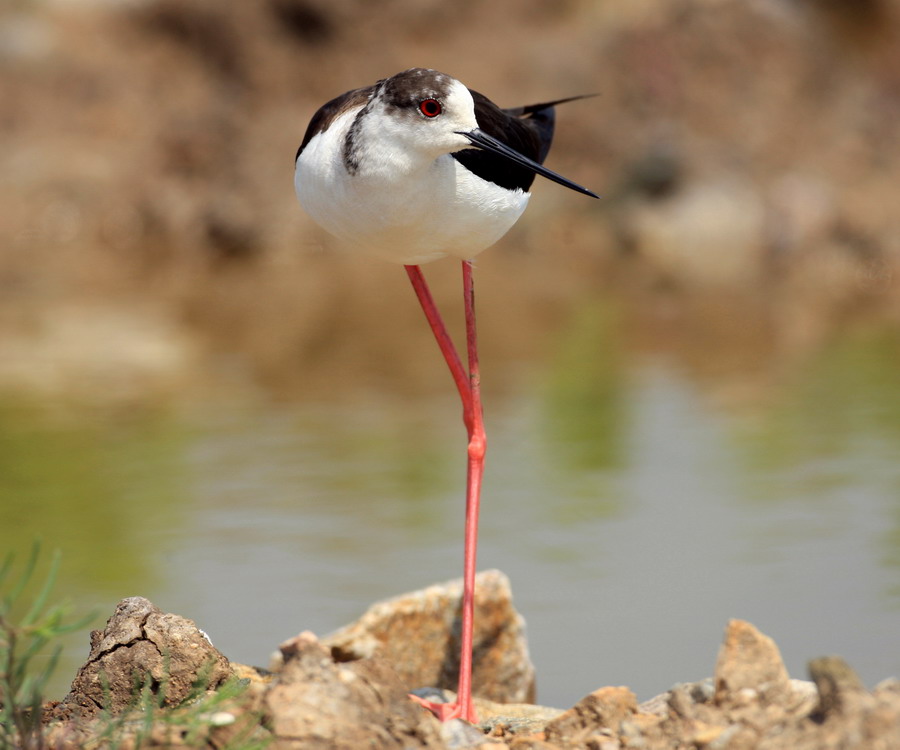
(349, 690)
(748, 155)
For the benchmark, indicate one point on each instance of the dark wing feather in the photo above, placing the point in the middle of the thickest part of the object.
(541, 118)
(330, 111)
(530, 108)
(528, 129)
(518, 133)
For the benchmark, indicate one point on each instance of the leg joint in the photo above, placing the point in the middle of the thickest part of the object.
(477, 446)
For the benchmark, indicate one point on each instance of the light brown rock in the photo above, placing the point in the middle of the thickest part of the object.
(418, 634)
(605, 708)
(142, 645)
(315, 702)
(749, 661)
(839, 687)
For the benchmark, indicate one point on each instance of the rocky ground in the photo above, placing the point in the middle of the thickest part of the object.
(349, 690)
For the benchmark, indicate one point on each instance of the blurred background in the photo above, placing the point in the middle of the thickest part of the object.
(692, 386)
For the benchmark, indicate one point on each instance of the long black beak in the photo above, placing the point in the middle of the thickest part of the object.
(482, 140)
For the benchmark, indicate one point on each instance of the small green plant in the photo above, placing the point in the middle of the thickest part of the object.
(23, 641)
(32, 638)
(147, 722)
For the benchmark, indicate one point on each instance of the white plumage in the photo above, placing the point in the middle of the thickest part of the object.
(407, 200)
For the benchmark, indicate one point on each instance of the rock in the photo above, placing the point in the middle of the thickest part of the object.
(839, 687)
(457, 734)
(418, 634)
(846, 715)
(604, 709)
(749, 663)
(319, 699)
(317, 702)
(706, 234)
(501, 719)
(143, 645)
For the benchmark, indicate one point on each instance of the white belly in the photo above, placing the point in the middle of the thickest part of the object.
(404, 215)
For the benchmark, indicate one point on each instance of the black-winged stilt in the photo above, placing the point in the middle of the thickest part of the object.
(411, 169)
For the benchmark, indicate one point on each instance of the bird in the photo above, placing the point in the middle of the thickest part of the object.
(414, 168)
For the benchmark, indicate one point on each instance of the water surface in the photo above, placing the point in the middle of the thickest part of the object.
(634, 514)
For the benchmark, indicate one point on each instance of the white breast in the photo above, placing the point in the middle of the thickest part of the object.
(400, 210)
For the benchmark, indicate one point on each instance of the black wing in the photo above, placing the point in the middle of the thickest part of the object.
(330, 111)
(528, 130)
(521, 134)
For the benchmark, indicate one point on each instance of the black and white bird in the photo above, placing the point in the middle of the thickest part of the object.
(412, 169)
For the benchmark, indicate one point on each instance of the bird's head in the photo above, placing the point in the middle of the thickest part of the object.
(424, 112)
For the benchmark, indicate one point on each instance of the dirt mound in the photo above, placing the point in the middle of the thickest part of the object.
(320, 697)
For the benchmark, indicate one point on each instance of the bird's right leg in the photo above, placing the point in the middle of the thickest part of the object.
(467, 383)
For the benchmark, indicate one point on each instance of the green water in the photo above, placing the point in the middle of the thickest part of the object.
(633, 514)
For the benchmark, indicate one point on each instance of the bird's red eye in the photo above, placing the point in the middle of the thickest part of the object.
(430, 107)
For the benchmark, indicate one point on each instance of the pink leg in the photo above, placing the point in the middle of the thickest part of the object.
(475, 470)
(469, 386)
(443, 338)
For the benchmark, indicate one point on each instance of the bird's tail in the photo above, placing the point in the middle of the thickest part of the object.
(531, 109)
(543, 116)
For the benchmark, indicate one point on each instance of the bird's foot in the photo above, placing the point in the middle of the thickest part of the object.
(443, 710)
